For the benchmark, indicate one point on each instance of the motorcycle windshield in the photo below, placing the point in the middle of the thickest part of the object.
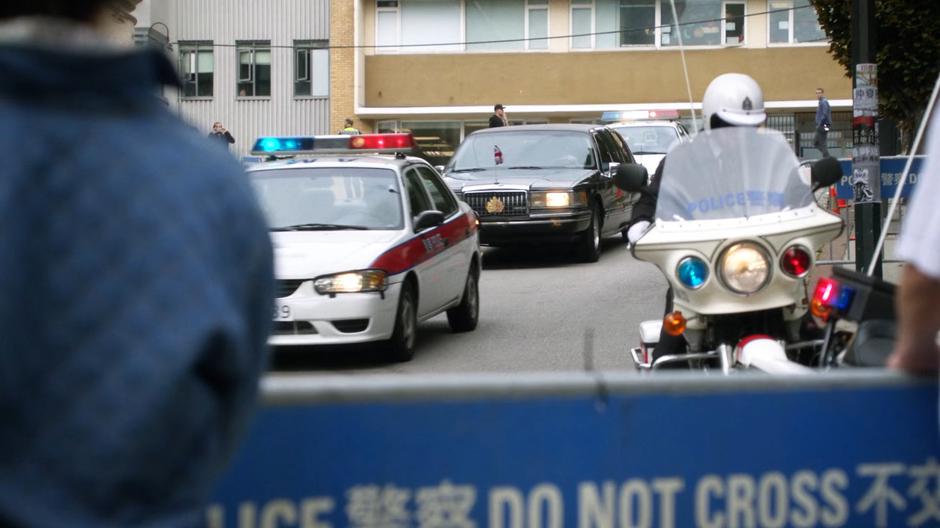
(731, 173)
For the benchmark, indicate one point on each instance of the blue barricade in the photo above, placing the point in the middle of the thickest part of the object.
(892, 168)
(584, 451)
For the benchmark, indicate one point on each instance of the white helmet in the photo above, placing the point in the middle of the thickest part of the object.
(736, 99)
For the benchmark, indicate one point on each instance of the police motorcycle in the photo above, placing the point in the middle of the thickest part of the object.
(736, 233)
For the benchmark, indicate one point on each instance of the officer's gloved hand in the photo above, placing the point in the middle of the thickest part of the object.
(636, 231)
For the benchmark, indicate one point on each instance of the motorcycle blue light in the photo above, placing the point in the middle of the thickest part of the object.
(692, 272)
(844, 299)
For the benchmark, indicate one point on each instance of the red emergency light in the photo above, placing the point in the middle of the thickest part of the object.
(380, 142)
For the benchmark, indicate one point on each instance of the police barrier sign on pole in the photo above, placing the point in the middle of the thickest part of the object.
(582, 450)
(891, 170)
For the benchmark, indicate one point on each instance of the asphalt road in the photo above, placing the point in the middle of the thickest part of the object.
(541, 310)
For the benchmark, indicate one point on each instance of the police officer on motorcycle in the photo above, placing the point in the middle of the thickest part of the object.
(731, 99)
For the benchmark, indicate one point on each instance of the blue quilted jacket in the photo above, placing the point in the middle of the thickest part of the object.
(135, 295)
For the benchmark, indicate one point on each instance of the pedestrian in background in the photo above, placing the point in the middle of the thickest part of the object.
(349, 129)
(823, 123)
(916, 348)
(498, 119)
(220, 134)
(137, 283)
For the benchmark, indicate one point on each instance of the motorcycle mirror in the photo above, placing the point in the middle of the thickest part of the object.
(825, 172)
(630, 177)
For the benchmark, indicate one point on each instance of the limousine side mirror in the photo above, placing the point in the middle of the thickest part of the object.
(630, 177)
(825, 172)
(426, 219)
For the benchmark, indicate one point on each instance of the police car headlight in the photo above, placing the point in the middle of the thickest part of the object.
(744, 268)
(559, 199)
(351, 282)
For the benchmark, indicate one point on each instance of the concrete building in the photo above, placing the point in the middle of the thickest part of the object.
(437, 67)
(260, 68)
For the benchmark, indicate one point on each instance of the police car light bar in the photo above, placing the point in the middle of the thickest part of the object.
(638, 115)
(339, 144)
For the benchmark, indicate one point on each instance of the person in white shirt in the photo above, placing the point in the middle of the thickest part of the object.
(918, 299)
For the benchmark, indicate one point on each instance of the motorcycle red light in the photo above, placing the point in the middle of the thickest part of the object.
(825, 294)
(796, 262)
(826, 291)
(381, 141)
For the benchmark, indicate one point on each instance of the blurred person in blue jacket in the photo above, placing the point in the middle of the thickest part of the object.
(136, 282)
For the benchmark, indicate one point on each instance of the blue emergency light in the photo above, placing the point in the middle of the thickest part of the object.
(638, 115)
(336, 144)
(692, 272)
(282, 145)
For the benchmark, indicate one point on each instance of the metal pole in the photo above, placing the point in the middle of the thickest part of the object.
(866, 158)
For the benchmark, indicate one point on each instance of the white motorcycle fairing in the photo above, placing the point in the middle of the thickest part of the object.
(667, 243)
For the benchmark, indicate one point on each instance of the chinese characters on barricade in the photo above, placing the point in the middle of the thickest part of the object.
(889, 491)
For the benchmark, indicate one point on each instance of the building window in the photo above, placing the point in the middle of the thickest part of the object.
(197, 67)
(699, 23)
(637, 22)
(254, 69)
(793, 22)
(311, 68)
(419, 26)
(732, 27)
(496, 25)
(437, 140)
(536, 24)
(387, 25)
(582, 24)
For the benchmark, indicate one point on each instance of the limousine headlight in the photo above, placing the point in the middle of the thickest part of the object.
(557, 199)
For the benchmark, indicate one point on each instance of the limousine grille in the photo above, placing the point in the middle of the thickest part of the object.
(498, 203)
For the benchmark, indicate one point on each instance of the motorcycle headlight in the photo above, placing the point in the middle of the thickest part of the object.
(744, 268)
(559, 199)
(351, 282)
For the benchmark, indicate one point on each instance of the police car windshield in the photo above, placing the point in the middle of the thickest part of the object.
(524, 149)
(325, 199)
(648, 139)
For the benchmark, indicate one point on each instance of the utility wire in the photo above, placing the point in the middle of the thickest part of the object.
(464, 44)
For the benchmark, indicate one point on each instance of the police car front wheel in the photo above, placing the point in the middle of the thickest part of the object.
(402, 343)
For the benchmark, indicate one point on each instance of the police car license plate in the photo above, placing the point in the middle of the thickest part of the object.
(282, 312)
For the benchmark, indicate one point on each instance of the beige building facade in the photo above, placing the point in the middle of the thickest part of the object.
(437, 68)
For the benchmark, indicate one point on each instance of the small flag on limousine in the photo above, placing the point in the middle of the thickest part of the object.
(497, 155)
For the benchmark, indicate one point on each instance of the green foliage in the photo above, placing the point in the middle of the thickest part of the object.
(907, 53)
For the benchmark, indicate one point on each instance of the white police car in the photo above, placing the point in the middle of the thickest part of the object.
(367, 241)
(649, 134)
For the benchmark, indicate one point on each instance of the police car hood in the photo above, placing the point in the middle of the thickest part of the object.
(528, 178)
(309, 254)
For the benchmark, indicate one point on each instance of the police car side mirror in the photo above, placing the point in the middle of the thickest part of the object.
(630, 177)
(426, 219)
(440, 168)
(825, 172)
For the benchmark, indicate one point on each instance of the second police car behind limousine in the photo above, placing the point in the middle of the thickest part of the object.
(367, 241)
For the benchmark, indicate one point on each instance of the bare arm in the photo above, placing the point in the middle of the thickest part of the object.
(918, 322)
